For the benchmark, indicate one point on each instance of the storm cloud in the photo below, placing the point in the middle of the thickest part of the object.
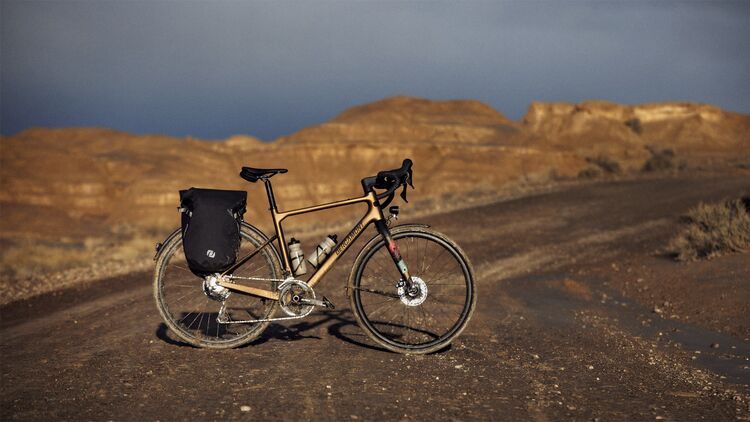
(212, 69)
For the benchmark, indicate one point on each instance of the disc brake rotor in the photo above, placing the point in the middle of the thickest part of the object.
(413, 298)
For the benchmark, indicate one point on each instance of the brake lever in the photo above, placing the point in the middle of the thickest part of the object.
(408, 180)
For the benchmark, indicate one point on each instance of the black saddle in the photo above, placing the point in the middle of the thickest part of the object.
(253, 175)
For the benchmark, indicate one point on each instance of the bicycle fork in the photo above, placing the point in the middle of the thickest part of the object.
(395, 255)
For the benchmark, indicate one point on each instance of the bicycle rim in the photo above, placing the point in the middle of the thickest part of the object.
(414, 327)
(191, 314)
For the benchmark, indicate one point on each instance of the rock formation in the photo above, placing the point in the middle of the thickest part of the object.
(72, 186)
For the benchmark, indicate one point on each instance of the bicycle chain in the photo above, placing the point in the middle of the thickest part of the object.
(220, 318)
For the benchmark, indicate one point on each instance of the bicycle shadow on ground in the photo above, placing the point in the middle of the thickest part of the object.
(339, 321)
(162, 333)
(342, 326)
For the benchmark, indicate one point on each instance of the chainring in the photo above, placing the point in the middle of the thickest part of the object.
(291, 293)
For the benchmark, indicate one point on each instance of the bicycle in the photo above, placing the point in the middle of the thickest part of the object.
(416, 301)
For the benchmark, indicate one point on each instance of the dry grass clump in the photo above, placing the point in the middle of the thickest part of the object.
(28, 258)
(713, 229)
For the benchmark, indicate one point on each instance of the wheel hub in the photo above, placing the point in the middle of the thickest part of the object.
(414, 296)
(212, 289)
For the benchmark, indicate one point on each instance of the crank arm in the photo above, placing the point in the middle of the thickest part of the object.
(315, 302)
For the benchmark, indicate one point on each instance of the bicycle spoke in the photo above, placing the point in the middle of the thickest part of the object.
(182, 268)
(191, 314)
(385, 306)
(377, 292)
(421, 325)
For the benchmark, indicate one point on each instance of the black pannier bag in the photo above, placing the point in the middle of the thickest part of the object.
(211, 228)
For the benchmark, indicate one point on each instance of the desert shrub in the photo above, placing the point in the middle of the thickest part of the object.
(713, 229)
(660, 160)
(606, 164)
(589, 172)
(635, 125)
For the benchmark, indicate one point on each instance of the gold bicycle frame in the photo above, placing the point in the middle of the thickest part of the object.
(374, 214)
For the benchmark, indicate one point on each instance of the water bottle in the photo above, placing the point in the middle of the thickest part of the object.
(322, 250)
(297, 257)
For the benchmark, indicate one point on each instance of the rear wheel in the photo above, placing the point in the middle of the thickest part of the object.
(192, 315)
(422, 322)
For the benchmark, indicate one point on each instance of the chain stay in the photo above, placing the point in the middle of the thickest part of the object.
(236, 277)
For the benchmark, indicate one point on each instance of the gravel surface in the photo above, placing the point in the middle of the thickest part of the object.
(561, 331)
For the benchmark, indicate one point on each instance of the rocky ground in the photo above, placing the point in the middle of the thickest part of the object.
(580, 315)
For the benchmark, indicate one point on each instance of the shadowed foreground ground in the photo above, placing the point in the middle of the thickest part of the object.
(577, 316)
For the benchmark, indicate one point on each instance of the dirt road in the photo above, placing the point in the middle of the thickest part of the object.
(578, 317)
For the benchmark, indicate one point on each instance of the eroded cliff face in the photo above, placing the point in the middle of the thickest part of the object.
(542, 115)
(68, 186)
(683, 126)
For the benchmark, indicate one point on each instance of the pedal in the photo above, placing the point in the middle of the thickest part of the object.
(315, 302)
(328, 303)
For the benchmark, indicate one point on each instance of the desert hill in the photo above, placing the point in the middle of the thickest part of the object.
(79, 188)
(399, 120)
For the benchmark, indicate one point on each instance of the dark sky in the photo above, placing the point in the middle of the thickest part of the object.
(212, 69)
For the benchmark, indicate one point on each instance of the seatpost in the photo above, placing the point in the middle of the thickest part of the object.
(269, 191)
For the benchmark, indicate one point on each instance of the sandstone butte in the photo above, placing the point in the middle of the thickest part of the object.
(75, 183)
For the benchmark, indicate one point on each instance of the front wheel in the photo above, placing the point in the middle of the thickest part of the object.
(413, 324)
